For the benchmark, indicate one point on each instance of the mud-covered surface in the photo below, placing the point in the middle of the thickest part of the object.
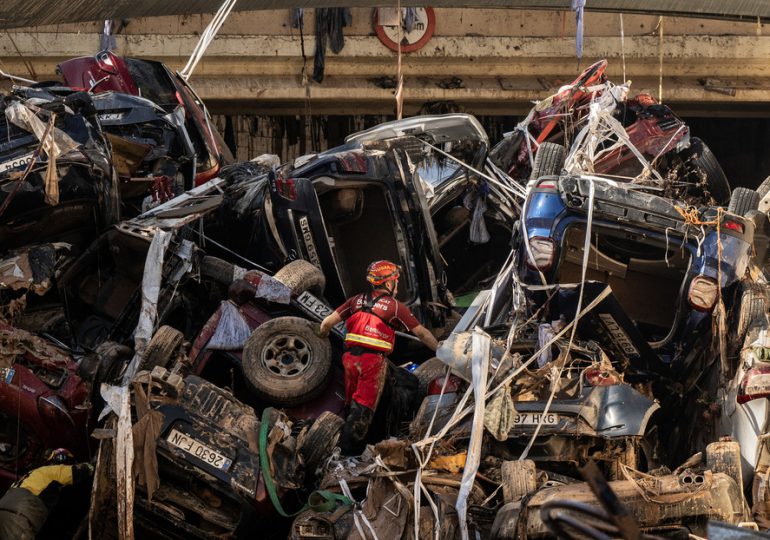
(597, 289)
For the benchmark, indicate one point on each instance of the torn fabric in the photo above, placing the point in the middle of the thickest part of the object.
(151, 282)
(145, 434)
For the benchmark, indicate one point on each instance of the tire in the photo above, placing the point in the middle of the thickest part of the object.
(753, 306)
(549, 160)
(161, 348)
(285, 362)
(218, 270)
(320, 440)
(762, 190)
(704, 159)
(301, 276)
(742, 201)
(427, 372)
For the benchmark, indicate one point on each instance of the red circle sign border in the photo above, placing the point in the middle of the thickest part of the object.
(417, 45)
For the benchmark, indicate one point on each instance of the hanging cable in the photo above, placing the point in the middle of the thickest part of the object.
(660, 59)
(623, 48)
(207, 37)
(399, 72)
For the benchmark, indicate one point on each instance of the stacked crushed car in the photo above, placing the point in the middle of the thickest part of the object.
(597, 286)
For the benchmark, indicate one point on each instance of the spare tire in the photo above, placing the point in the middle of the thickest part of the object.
(427, 372)
(301, 276)
(285, 362)
(742, 201)
(549, 160)
(217, 269)
(763, 190)
(320, 440)
(161, 349)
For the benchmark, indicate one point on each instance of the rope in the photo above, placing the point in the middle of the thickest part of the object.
(399, 71)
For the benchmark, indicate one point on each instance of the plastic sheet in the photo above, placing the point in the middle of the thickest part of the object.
(232, 331)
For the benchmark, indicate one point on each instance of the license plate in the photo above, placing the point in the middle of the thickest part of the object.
(198, 450)
(315, 308)
(17, 163)
(533, 419)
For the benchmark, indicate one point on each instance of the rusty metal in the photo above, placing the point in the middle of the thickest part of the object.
(618, 513)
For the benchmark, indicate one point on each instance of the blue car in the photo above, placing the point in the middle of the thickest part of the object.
(667, 264)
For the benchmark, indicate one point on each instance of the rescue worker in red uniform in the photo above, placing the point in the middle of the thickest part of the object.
(371, 319)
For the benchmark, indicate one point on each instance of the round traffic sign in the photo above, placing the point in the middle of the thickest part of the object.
(422, 30)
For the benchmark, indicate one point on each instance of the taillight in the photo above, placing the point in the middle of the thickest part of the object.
(755, 384)
(703, 293)
(286, 188)
(541, 254)
(733, 226)
(546, 184)
(601, 377)
(452, 385)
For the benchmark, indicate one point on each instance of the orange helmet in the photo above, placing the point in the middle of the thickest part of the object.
(380, 272)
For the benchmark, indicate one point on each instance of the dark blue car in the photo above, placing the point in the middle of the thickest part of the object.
(667, 265)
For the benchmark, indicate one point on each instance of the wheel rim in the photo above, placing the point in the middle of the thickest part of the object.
(286, 356)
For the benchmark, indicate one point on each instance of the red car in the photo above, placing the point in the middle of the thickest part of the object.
(45, 402)
(152, 80)
(653, 128)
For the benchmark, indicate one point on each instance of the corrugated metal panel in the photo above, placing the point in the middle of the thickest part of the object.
(20, 13)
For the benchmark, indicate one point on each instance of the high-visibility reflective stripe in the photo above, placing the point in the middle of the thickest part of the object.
(366, 340)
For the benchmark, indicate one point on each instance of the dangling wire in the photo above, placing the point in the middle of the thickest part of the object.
(399, 73)
(660, 59)
(623, 48)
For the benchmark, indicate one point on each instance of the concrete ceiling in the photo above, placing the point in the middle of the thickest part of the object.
(23, 13)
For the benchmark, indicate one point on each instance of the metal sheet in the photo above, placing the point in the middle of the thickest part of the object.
(21, 13)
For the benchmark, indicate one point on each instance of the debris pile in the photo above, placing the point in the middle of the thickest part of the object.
(597, 289)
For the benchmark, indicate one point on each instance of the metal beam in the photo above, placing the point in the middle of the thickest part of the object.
(24, 13)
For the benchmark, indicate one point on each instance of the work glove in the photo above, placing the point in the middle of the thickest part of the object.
(241, 292)
(317, 330)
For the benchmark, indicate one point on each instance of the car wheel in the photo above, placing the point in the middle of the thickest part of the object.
(549, 160)
(161, 349)
(217, 269)
(320, 440)
(301, 276)
(704, 159)
(763, 190)
(285, 362)
(742, 201)
(427, 372)
(753, 306)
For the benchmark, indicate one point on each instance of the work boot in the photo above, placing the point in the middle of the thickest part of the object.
(355, 429)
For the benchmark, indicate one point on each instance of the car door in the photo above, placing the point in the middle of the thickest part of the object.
(299, 225)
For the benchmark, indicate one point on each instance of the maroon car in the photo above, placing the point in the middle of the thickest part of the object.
(653, 128)
(284, 364)
(107, 72)
(44, 402)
